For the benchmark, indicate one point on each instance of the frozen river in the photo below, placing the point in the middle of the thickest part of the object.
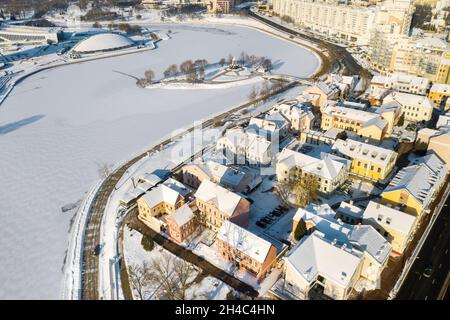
(58, 125)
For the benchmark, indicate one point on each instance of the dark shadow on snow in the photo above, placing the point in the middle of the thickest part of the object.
(10, 127)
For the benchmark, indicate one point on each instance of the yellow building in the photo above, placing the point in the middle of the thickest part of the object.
(396, 226)
(440, 145)
(163, 199)
(415, 108)
(443, 74)
(414, 188)
(319, 94)
(439, 93)
(368, 161)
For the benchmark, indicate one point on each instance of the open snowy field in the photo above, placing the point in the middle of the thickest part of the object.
(58, 125)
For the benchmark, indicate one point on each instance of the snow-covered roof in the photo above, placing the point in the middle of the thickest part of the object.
(327, 167)
(441, 88)
(366, 238)
(244, 241)
(362, 238)
(322, 210)
(182, 215)
(364, 151)
(410, 100)
(225, 200)
(315, 255)
(420, 178)
(350, 113)
(389, 217)
(151, 178)
(350, 210)
(401, 79)
(177, 186)
(293, 109)
(161, 193)
(103, 42)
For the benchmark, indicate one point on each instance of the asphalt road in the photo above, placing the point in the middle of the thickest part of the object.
(435, 250)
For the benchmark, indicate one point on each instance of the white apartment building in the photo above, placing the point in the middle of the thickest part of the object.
(347, 21)
(240, 147)
(381, 85)
(329, 172)
(415, 108)
(298, 114)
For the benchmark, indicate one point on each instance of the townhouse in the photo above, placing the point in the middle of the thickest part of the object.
(380, 86)
(217, 205)
(298, 114)
(161, 200)
(231, 178)
(414, 187)
(368, 161)
(329, 172)
(181, 223)
(242, 147)
(272, 126)
(332, 256)
(248, 251)
(366, 124)
(394, 225)
(439, 144)
(414, 108)
(319, 94)
(439, 93)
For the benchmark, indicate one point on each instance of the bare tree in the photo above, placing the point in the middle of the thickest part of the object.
(187, 67)
(171, 71)
(298, 188)
(174, 275)
(149, 75)
(104, 170)
(140, 278)
(267, 64)
(222, 62)
(253, 94)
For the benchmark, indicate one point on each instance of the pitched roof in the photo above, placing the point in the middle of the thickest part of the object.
(420, 178)
(360, 150)
(362, 238)
(327, 167)
(225, 200)
(182, 215)
(389, 217)
(314, 255)
(162, 193)
(244, 241)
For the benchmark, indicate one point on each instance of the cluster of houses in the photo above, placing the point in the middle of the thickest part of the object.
(335, 252)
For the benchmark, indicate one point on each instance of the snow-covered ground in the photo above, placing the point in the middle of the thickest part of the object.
(58, 125)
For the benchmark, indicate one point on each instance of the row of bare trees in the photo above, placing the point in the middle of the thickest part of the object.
(265, 90)
(171, 276)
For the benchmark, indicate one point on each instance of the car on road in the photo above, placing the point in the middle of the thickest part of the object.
(98, 249)
(428, 270)
(291, 37)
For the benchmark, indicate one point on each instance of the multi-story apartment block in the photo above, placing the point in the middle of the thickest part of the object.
(414, 108)
(347, 21)
(250, 252)
(217, 205)
(368, 161)
(414, 187)
(329, 172)
(421, 56)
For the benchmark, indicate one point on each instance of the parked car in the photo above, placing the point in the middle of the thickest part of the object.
(428, 270)
(261, 224)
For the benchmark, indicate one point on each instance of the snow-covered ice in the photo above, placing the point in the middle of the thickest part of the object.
(58, 125)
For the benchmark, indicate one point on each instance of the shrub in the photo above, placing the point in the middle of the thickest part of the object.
(147, 243)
